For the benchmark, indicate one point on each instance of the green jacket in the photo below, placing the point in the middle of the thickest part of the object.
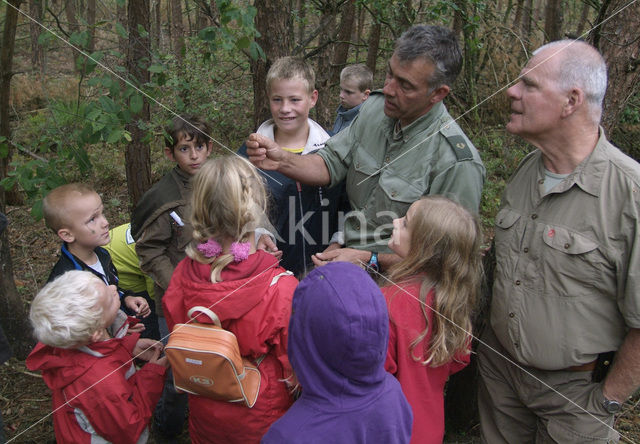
(386, 171)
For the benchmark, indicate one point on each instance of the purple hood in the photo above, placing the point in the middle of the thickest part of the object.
(338, 336)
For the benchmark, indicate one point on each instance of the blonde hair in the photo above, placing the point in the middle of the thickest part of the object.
(228, 202)
(444, 255)
(54, 205)
(66, 312)
(287, 68)
(360, 73)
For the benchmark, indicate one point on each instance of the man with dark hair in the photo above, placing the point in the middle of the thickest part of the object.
(403, 145)
(565, 297)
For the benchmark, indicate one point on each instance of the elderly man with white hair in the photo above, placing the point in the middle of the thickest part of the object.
(562, 351)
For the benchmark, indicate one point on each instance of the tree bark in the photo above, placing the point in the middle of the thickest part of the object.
(72, 21)
(37, 55)
(341, 49)
(137, 154)
(617, 40)
(272, 21)
(177, 30)
(91, 23)
(323, 115)
(121, 17)
(553, 20)
(13, 316)
(584, 16)
(373, 44)
(156, 30)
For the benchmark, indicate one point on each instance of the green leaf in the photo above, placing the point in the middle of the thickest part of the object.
(142, 32)
(121, 31)
(36, 210)
(115, 135)
(156, 68)
(244, 42)
(135, 103)
(4, 150)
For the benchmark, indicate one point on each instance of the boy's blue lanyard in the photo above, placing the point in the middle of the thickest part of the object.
(77, 266)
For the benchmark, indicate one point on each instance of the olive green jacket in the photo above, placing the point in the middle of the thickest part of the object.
(386, 171)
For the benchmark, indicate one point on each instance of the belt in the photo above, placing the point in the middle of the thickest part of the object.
(589, 366)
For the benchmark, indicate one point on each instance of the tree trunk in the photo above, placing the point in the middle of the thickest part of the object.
(584, 16)
(272, 21)
(323, 114)
(72, 21)
(617, 40)
(177, 30)
(458, 16)
(527, 17)
(341, 49)
(13, 316)
(137, 154)
(359, 31)
(91, 23)
(553, 20)
(155, 28)
(373, 44)
(37, 55)
(121, 16)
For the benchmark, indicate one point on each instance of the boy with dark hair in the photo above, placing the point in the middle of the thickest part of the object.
(75, 213)
(161, 229)
(356, 83)
(86, 359)
(159, 222)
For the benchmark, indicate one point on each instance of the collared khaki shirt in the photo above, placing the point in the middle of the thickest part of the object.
(386, 170)
(568, 260)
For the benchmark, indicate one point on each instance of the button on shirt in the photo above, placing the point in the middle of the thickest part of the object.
(568, 260)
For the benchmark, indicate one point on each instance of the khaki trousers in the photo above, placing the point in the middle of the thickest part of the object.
(517, 408)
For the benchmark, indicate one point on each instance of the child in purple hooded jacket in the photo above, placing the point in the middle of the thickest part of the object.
(338, 335)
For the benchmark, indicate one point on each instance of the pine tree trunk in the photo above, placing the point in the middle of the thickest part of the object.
(617, 40)
(553, 20)
(13, 316)
(137, 154)
(37, 55)
(341, 49)
(91, 22)
(177, 30)
(272, 21)
(373, 44)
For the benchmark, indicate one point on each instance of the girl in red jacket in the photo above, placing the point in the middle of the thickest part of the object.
(246, 288)
(430, 294)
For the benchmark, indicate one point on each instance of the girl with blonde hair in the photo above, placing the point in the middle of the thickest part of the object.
(247, 289)
(430, 294)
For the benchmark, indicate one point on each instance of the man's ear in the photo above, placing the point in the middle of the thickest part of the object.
(66, 235)
(169, 153)
(575, 100)
(439, 93)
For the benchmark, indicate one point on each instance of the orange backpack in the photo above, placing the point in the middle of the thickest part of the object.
(206, 361)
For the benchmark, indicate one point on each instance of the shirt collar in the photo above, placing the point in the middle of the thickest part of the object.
(422, 123)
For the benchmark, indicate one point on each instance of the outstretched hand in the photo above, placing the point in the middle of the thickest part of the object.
(264, 152)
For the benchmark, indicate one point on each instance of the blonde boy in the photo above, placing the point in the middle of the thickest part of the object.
(297, 210)
(75, 213)
(356, 82)
(85, 355)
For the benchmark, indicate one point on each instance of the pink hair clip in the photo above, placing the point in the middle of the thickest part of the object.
(240, 251)
(210, 248)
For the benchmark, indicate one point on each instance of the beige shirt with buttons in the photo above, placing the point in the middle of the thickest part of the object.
(387, 170)
(568, 260)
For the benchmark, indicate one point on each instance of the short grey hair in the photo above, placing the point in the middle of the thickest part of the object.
(66, 312)
(437, 45)
(581, 66)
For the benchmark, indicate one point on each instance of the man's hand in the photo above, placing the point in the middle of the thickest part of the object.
(264, 152)
(138, 305)
(266, 243)
(358, 257)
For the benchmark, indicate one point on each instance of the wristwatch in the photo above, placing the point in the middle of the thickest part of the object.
(373, 262)
(611, 406)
